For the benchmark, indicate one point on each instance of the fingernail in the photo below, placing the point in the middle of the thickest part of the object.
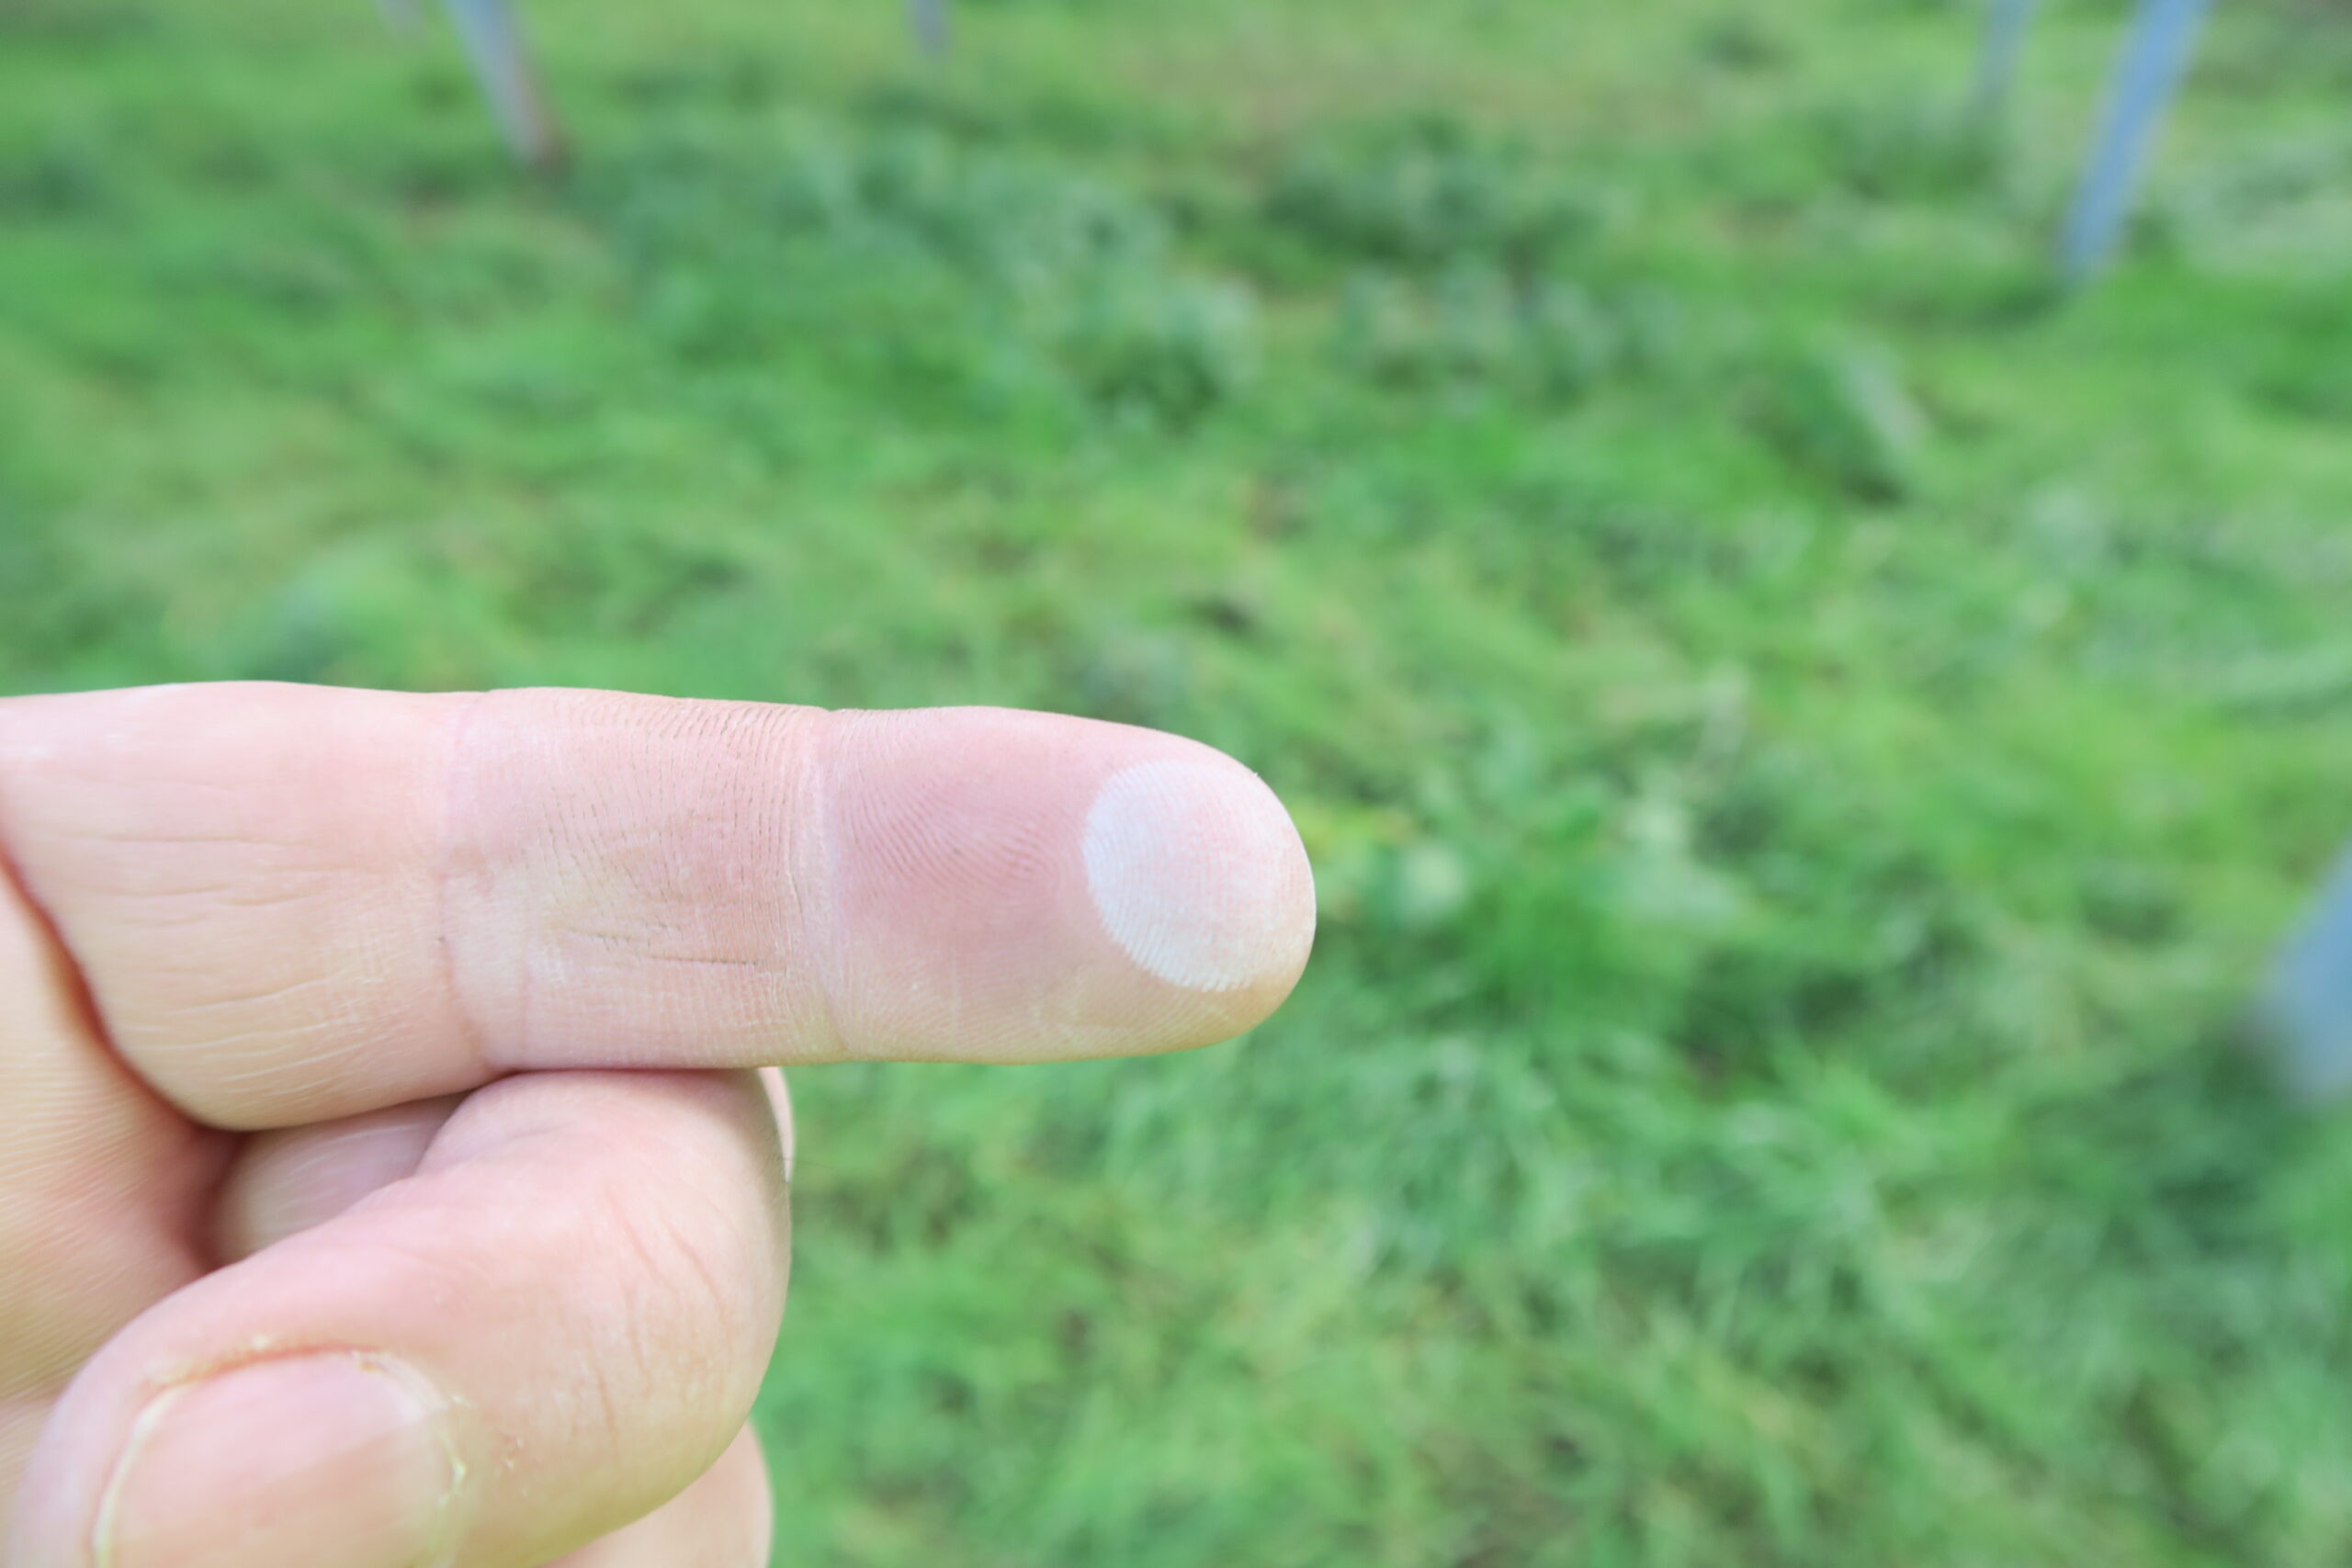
(313, 1462)
(1198, 876)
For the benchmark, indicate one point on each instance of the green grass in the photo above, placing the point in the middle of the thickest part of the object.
(1807, 738)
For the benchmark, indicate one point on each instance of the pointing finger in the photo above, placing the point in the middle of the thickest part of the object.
(290, 904)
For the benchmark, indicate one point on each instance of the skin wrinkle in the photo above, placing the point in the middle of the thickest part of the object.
(664, 1260)
(331, 984)
(181, 841)
(312, 1161)
(659, 1254)
(459, 727)
(266, 1065)
(217, 896)
(805, 863)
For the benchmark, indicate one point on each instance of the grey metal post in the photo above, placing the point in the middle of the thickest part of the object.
(1997, 67)
(929, 20)
(495, 45)
(2309, 1005)
(2154, 57)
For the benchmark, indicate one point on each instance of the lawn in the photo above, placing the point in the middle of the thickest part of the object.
(1808, 736)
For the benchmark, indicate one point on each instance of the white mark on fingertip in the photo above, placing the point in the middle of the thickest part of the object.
(1198, 875)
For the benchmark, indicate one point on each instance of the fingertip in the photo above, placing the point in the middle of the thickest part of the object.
(1198, 875)
(1013, 886)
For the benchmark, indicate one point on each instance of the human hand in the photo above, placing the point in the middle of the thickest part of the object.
(385, 1179)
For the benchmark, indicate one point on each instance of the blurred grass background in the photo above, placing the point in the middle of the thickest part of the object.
(1808, 738)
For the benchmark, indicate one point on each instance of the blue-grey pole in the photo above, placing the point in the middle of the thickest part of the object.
(1997, 68)
(2155, 58)
(495, 44)
(930, 18)
(2311, 996)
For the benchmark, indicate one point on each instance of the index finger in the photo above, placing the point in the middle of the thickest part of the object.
(289, 903)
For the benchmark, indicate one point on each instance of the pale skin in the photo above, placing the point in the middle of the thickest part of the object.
(393, 1165)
